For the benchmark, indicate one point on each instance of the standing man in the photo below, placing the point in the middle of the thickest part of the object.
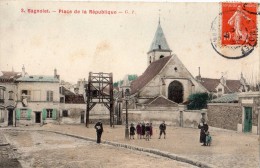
(99, 129)
(162, 128)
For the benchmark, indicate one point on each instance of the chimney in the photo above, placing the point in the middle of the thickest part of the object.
(23, 71)
(55, 73)
(199, 76)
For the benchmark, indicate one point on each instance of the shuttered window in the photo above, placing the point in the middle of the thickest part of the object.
(44, 114)
(18, 114)
(2, 94)
(54, 114)
(29, 112)
(49, 95)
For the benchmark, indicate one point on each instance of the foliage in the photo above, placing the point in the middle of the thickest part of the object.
(132, 77)
(198, 101)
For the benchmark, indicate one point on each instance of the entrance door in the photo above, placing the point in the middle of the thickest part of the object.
(37, 117)
(10, 117)
(248, 119)
(82, 117)
(175, 92)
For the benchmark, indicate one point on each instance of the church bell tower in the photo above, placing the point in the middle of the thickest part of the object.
(159, 47)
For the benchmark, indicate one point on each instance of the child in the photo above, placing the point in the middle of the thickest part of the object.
(147, 132)
(139, 130)
(208, 139)
(132, 131)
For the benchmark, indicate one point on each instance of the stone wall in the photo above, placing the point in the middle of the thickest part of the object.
(224, 115)
(171, 117)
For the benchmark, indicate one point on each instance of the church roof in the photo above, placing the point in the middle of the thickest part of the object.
(152, 70)
(161, 101)
(159, 40)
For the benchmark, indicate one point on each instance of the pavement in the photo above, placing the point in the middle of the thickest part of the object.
(7, 154)
(228, 148)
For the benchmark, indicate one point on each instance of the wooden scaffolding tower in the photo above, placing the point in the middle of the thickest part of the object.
(99, 90)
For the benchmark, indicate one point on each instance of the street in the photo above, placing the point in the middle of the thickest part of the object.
(45, 149)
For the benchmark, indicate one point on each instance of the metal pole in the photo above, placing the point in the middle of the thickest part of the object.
(126, 122)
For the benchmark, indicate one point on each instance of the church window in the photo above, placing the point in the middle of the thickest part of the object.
(175, 69)
(159, 47)
(161, 56)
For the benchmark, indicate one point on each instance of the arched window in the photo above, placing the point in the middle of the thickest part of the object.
(175, 92)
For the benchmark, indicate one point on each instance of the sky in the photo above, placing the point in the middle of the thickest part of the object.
(77, 43)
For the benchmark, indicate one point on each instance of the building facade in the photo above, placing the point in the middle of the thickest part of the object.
(37, 99)
(8, 97)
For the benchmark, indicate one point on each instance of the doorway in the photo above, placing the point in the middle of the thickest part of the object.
(10, 117)
(247, 119)
(37, 117)
(175, 92)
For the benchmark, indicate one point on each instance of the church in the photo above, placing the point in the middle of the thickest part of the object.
(165, 77)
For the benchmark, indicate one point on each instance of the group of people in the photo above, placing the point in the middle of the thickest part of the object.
(143, 131)
(146, 131)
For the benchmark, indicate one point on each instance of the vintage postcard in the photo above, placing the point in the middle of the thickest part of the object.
(83, 82)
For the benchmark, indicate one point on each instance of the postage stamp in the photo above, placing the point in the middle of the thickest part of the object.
(238, 25)
(234, 30)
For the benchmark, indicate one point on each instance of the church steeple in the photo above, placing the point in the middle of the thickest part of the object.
(159, 40)
(159, 47)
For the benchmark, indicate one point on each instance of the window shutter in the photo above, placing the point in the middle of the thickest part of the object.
(54, 114)
(18, 114)
(44, 114)
(47, 98)
(29, 111)
(51, 96)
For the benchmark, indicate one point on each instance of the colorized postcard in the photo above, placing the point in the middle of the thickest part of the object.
(129, 84)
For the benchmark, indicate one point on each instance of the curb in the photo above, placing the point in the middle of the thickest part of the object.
(147, 150)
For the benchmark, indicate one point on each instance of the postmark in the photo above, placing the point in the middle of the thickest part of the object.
(234, 30)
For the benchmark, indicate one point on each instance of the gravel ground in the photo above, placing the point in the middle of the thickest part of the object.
(44, 150)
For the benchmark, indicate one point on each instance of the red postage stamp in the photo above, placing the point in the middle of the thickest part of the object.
(239, 24)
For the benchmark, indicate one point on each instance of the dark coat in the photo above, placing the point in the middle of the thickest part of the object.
(147, 128)
(143, 129)
(162, 127)
(139, 129)
(203, 129)
(99, 127)
(132, 130)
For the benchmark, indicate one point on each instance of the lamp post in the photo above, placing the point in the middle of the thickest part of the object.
(126, 114)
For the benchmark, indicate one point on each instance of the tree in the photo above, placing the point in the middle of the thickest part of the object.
(198, 101)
